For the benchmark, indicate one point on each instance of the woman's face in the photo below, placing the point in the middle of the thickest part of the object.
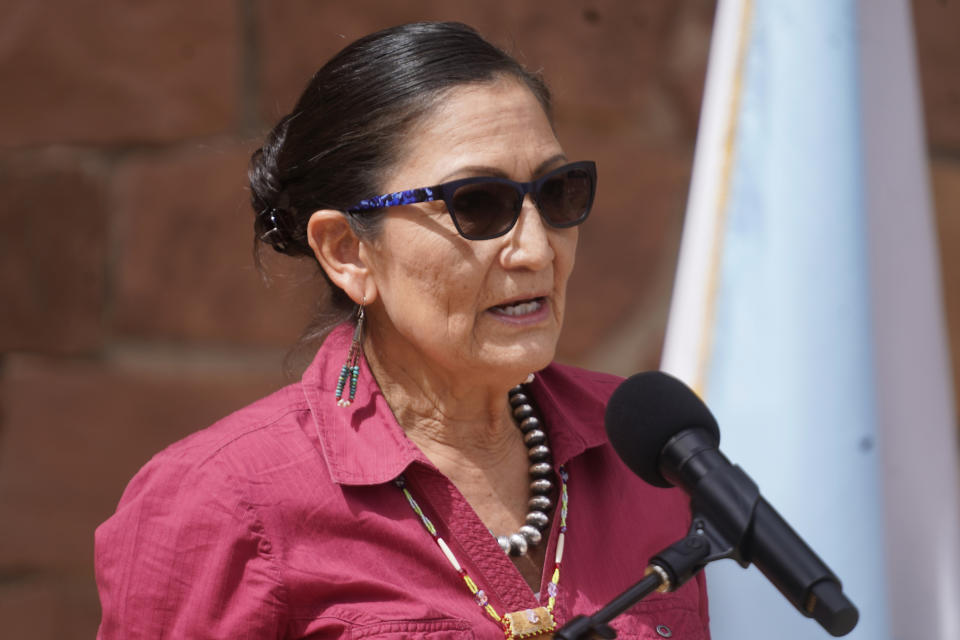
(490, 309)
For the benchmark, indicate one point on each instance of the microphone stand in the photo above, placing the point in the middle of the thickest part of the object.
(723, 512)
(667, 571)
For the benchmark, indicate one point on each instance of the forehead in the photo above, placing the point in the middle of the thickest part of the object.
(500, 126)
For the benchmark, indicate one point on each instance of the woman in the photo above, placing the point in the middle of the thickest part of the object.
(419, 481)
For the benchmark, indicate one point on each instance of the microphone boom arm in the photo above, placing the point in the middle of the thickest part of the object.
(668, 570)
(667, 436)
(706, 542)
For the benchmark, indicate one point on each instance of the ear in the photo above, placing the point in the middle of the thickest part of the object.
(339, 252)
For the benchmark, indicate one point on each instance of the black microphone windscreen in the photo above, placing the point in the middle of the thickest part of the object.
(644, 412)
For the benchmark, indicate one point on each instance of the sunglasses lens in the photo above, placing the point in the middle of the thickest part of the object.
(485, 209)
(565, 198)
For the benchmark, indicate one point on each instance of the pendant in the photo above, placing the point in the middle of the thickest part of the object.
(530, 623)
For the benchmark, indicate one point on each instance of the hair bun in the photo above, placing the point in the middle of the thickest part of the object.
(272, 229)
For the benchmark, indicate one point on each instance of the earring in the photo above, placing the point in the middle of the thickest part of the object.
(351, 368)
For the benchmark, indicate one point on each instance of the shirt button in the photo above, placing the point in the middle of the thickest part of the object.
(664, 631)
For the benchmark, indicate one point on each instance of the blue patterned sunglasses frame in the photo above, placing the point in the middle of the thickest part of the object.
(571, 213)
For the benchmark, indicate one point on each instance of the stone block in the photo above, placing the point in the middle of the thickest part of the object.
(687, 52)
(628, 248)
(49, 608)
(112, 72)
(937, 28)
(28, 610)
(613, 62)
(186, 268)
(298, 37)
(75, 432)
(53, 253)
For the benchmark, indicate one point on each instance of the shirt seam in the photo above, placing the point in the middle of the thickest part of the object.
(221, 446)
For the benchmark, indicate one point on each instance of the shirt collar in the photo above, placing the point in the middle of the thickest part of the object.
(572, 402)
(364, 445)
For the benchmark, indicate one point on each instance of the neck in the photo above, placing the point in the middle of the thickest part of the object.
(454, 422)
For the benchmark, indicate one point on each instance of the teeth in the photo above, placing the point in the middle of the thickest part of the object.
(521, 308)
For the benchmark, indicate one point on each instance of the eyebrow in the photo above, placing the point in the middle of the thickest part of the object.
(483, 170)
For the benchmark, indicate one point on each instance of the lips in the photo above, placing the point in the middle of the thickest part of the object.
(520, 307)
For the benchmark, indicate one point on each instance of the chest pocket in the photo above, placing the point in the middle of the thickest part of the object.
(661, 623)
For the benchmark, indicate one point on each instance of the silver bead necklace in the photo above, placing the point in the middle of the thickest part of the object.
(541, 472)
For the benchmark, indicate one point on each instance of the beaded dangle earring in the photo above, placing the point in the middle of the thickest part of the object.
(350, 370)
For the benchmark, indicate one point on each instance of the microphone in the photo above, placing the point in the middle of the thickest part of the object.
(666, 435)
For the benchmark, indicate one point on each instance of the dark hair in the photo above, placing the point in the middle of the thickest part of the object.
(348, 126)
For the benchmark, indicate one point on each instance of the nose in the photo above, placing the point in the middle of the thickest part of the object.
(529, 243)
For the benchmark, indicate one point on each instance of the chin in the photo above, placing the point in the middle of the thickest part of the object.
(523, 362)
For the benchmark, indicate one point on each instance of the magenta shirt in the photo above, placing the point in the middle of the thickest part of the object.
(282, 521)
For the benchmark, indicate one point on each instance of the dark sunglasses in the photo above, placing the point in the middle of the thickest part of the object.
(485, 208)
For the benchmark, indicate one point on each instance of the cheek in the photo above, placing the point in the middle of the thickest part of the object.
(425, 283)
(566, 251)
(411, 285)
(432, 306)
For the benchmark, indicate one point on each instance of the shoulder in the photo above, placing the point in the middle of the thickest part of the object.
(188, 538)
(239, 445)
(244, 431)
